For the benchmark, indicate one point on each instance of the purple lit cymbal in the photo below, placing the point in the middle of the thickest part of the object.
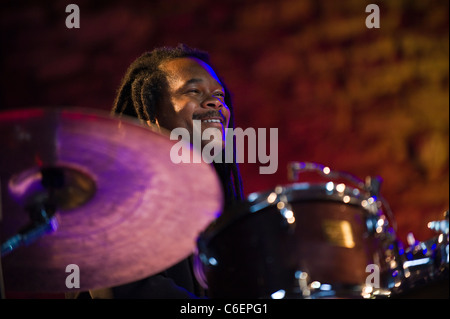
(124, 210)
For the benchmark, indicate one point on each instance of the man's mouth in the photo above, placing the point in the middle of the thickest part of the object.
(212, 121)
(210, 117)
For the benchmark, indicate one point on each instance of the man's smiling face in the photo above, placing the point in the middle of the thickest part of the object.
(194, 93)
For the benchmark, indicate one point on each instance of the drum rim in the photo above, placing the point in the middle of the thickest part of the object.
(325, 191)
(257, 201)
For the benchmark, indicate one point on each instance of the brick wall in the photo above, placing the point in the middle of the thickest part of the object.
(364, 101)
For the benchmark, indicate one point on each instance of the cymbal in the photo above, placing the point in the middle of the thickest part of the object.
(123, 209)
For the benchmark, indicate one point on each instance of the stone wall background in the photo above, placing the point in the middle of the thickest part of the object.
(364, 101)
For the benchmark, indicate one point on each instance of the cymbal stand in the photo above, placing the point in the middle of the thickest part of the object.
(42, 193)
(43, 222)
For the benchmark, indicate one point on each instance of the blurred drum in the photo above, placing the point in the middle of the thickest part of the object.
(426, 264)
(302, 240)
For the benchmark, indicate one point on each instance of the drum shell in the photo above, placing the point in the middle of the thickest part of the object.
(257, 251)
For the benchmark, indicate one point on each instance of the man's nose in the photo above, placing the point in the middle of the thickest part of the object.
(212, 102)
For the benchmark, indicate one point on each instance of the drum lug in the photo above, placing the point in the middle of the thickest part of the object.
(373, 185)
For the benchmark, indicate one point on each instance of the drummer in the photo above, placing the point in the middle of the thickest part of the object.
(169, 88)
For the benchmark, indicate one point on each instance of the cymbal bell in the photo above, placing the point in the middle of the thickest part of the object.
(123, 209)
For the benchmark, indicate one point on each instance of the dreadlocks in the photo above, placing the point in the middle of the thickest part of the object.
(141, 90)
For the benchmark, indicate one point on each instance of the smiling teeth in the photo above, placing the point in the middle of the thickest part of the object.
(212, 121)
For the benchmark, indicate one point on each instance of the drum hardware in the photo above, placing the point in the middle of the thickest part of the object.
(378, 224)
(372, 184)
(385, 226)
(317, 240)
(46, 224)
(426, 262)
(304, 240)
(79, 186)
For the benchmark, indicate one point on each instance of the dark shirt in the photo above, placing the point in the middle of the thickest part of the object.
(176, 282)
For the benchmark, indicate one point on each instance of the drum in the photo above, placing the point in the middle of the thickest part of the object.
(426, 264)
(301, 240)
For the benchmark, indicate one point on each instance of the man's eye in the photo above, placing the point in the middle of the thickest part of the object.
(194, 91)
(220, 94)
